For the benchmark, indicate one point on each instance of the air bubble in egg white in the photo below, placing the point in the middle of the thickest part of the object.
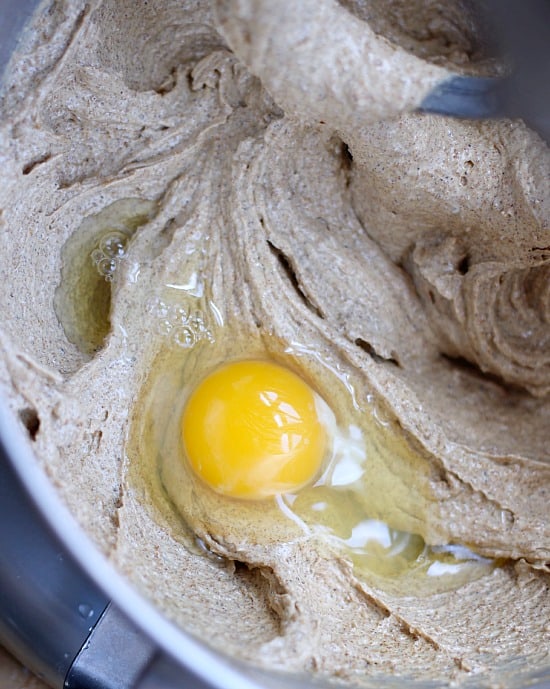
(113, 244)
(107, 267)
(186, 327)
(184, 337)
(110, 251)
(165, 327)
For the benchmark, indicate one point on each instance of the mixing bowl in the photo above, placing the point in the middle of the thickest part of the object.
(64, 610)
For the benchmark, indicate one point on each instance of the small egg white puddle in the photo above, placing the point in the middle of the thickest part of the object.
(92, 257)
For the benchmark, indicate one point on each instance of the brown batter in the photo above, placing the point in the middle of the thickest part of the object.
(272, 191)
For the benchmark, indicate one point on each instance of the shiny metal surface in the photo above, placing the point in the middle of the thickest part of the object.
(115, 655)
(521, 35)
(13, 17)
(47, 604)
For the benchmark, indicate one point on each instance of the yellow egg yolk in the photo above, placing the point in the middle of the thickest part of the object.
(251, 429)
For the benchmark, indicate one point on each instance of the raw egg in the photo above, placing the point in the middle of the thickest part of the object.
(252, 443)
(253, 429)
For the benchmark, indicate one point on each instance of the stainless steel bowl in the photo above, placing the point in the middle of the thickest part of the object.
(64, 611)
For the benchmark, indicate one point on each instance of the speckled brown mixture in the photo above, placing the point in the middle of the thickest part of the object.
(14, 676)
(273, 191)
